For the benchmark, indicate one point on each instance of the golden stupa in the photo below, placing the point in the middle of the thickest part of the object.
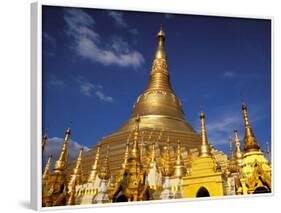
(161, 116)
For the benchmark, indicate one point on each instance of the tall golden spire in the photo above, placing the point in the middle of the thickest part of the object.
(160, 51)
(167, 169)
(159, 75)
(77, 168)
(205, 149)
(179, 169)
(153, 154)
(75, 178)
(230, 147)
(46, 172)
(126, 156)
(44, 140)
(135, 149)
(178, 152)
(94, 169)
(60, 164)
(104, 175)
(142, 147)
(250, 141)
(104, 172)
(232, 161)
(79, 159)
(239, 155)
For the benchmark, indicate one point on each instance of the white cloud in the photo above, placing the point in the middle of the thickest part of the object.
(118, 18)
(57, 82)
(121, 23)
(54, 81)
(79, 21)
(53, 146)
(229, 74)
(49, 44)
(219, 129)
(119, 45)
(103, 97)
(89, 89)
(88, 44)
(86, 88)
(49, 39)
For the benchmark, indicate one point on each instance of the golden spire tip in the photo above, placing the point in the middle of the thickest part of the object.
(161, 33)
(202, 115)
(244, 106)
(68, 131)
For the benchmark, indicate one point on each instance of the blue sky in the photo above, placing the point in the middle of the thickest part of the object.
(96, 63)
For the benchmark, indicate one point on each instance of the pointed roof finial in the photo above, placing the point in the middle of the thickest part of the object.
(126, 155)
(44, 139)
(245, 114)
(159, 74)
(179, 169)
(45, 135)
(160, 52)
(104, 172)
(167, 169)
(205, 149)
(239, 154)
(60, 164)
(161, 33)
(76, 169)
(267, 147)
(232, 166)
(94, 169)
(46, 172)
(230, 147)
(135, 149)
(250, 141)
(153, 153)
(178, 150)
(75, 178)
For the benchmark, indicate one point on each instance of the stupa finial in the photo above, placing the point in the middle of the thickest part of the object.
(94, 170)
(104, 172)
(46, 172)
(60, 164)
(230, 147)
(250, 141)
(238, 154)
(205, 149)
